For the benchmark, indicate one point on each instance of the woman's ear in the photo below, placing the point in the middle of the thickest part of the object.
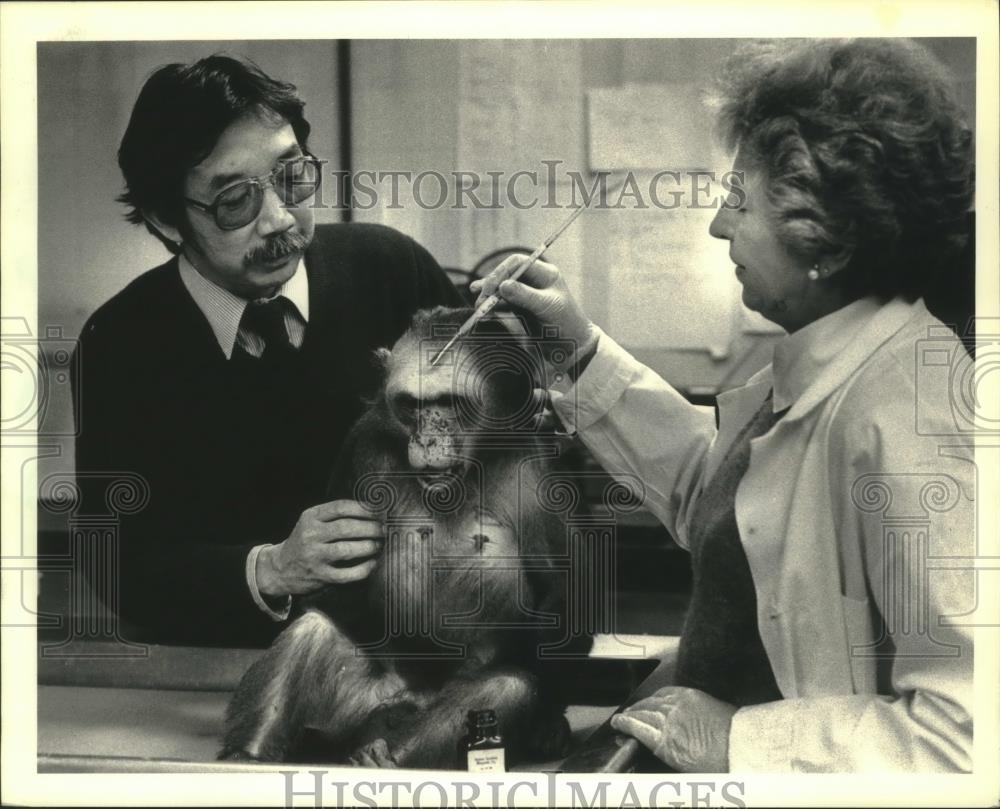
(168, 232)
(832, 263)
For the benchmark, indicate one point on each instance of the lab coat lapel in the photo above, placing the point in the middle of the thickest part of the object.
(736, 408)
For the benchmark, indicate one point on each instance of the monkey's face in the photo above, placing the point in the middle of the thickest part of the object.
(424, 405)
(445, 408)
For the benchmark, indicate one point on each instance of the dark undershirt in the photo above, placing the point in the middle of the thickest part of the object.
(720, 649)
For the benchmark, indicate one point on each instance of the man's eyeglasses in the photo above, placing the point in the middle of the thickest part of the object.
(294, 181)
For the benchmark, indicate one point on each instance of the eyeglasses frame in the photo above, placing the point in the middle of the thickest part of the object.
(264, 182)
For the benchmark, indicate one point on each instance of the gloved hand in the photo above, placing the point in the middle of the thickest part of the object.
(684, 727)
(543, 293)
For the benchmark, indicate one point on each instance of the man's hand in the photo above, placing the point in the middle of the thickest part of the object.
(332, 543)
(684, 727)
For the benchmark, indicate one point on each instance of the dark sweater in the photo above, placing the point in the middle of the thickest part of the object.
(232, 452)
(720, 651)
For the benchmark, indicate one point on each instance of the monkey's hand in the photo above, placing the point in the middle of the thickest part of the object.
(373, 754)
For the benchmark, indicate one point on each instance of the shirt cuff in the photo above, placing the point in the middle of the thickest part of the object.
(609, 373)
(255, 593)
(760, 739)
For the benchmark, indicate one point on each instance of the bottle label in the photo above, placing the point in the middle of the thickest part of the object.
(486, 760)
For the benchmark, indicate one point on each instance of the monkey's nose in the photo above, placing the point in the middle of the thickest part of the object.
(431, 452)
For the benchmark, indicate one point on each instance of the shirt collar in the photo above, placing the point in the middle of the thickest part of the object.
(800, 357)
(224, 310)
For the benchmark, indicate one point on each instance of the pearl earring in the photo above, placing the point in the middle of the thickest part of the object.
(814, 273)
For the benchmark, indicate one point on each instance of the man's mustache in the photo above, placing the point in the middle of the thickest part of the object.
(279, 246)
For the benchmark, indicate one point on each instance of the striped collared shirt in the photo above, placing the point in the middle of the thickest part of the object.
(224, 310)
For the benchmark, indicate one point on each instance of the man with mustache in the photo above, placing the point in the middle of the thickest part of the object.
(228, 376)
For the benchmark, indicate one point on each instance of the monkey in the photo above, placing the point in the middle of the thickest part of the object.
(463, 601)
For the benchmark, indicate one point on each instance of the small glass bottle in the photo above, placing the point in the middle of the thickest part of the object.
(482, 749)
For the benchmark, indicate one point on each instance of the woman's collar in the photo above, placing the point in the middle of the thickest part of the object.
(815, 360)
(799, 358)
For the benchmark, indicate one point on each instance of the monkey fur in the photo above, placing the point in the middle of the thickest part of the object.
(463, 599)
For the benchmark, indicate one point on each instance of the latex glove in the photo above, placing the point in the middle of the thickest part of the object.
(543, 293)
(683, 727)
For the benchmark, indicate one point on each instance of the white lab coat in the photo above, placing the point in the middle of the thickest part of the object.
(856, 512)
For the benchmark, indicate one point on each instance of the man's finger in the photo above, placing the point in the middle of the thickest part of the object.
(343, 575)
(346, 550)
(350, 528)
(338, 509)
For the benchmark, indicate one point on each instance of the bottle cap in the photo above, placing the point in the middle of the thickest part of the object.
(481, 719)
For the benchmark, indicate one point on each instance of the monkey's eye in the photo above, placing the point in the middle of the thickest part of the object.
(405, 406)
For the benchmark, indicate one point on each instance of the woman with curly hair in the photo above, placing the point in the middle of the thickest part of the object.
(825, 630)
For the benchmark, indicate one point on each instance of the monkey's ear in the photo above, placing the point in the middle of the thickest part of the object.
(376, 375)
(381, 357)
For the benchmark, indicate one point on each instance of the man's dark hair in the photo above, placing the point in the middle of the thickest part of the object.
(181, 112)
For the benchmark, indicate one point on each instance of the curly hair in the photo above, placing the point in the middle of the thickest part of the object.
(180, 113)
(864, 148)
